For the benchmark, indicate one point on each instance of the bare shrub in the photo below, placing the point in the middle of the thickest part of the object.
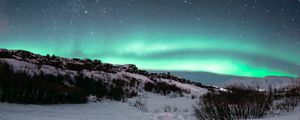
(140, 104)
(237, 104)
(168, 108)
(286, 100)
(193, 96)
(286, 104)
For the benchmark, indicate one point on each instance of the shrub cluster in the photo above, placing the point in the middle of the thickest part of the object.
(241, 103)
(163, 88)
(43, 89)
(19, 87)
(140, 104)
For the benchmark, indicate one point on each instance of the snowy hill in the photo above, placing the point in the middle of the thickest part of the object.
(126, 79)
(35, 79)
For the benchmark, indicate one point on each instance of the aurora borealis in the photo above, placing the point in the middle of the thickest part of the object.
(253, 38)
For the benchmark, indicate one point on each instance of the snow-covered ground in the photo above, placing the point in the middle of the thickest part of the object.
(294, 115)
(108, 110)
(113, 110)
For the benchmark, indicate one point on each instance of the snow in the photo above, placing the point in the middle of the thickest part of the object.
(170, 116)
(33, 69)
(194, 89)
(113, 110)
(220, 88)
(137, 76)
(262, 84)
(98, 75)
(294, 115)
(108, 110)
(92, 111)
(223, 89)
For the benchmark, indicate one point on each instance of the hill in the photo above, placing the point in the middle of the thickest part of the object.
(31, 78)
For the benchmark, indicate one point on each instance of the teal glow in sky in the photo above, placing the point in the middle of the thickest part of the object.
(232, 37)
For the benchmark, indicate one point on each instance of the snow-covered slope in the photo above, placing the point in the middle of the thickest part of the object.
(185, 86)
(274, 82)
(34, 64)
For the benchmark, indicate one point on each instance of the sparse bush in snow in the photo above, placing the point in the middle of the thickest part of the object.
(286, 99)
(93, 98)
(238, 104)
(168, 108)
(22, 88)
(284, 105)
(245, 103)
(140, 104)
(193, 96)
(175, 95)
(19, 87)
(163, 88)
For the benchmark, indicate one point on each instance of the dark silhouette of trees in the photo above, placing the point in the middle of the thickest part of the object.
(237, 104)
(18, 87)
(91, 86)
(244, 103)
(162, 87)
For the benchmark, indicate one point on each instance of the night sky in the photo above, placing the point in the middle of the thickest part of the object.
(232, 37)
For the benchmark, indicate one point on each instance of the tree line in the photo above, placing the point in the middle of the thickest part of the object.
(19, 87)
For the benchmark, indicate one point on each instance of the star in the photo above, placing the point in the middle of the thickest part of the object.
(292, 19)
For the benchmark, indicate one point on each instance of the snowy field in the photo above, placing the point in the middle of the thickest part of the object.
(113, 110)
(295, 115)
(108, 110)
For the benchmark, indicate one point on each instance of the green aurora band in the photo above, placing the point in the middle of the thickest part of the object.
(148, 51)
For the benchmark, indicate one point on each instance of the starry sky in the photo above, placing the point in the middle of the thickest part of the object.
(253, 38)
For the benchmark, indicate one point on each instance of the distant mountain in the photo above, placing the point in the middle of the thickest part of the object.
(26, 77)
(206, 78)
(269, 82)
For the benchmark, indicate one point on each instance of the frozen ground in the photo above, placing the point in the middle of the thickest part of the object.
(112, 110)
(295, 115)
(108, 110)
